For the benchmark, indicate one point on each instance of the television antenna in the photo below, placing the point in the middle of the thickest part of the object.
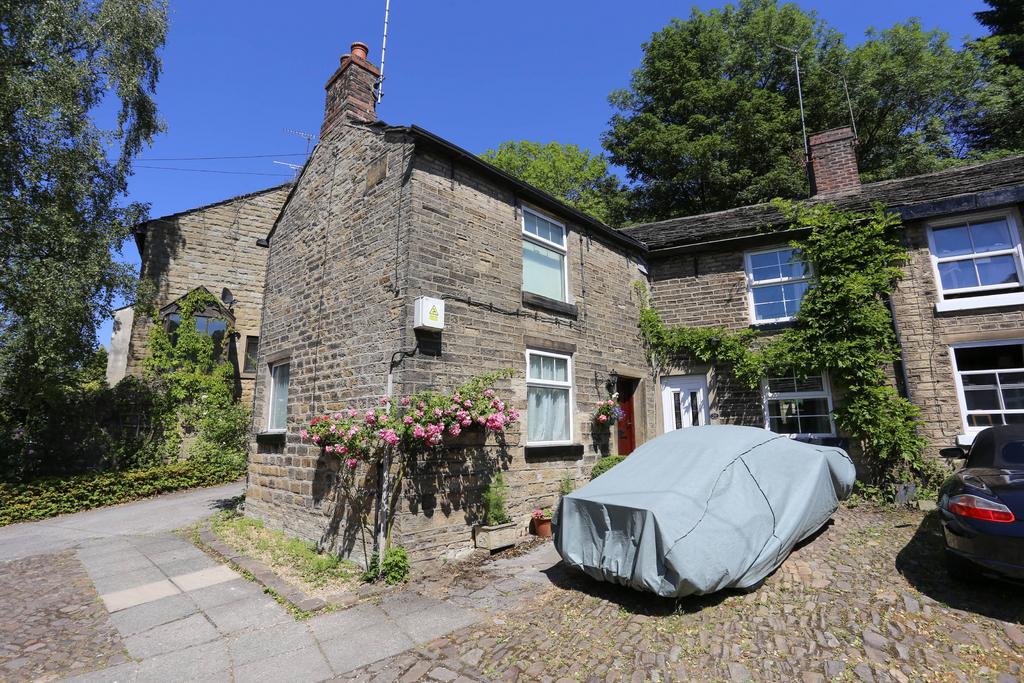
(308, 137)
(846, 91)
(795, 51)
(379, 86)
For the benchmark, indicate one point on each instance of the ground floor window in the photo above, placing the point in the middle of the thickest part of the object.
(277, 418)
(548, 398)
(990, 383)
(800, 406)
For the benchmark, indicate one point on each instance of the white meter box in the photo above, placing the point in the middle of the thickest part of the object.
(429, 314)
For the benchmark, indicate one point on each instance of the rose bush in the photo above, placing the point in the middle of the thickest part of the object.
(415, 424)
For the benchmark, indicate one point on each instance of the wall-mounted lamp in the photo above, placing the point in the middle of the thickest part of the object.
(613, 380)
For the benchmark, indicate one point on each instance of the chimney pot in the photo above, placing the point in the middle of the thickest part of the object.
(351, 91)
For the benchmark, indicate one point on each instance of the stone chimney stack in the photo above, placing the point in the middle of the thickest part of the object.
(350, 91)
(834, 161)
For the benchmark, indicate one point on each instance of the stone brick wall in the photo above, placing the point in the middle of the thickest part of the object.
(394, 225)
(708, 289)
(332, 311)
(466, 244)
(212, 247)
(926, 336)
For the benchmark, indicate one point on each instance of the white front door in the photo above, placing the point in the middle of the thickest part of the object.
(684, 401)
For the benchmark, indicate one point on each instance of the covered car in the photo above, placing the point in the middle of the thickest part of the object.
(700, 509)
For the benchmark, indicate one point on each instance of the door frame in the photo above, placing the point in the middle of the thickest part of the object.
(672, 384)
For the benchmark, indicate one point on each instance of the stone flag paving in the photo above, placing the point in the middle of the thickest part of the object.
(181, 616)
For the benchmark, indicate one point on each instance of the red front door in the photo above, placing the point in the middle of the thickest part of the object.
(626, 426)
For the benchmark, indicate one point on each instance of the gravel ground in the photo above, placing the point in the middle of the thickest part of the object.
(867, 599)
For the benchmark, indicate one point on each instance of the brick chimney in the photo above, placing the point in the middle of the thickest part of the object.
(350, 91)
(834, 161)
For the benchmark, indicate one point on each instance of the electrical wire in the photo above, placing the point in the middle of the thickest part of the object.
(243, 156)
(209, 170)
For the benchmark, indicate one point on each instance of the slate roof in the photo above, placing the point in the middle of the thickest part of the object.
(964, 188)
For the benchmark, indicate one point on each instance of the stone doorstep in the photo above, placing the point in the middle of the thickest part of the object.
(265, 576)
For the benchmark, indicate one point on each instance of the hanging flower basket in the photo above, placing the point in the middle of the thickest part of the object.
(608, 412)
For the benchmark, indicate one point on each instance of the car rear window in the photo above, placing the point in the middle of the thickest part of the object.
(1013, 453)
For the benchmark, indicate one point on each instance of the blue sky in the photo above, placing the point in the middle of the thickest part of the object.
(238, 74)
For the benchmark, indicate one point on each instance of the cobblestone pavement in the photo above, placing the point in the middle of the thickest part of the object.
(866, 600)
(52, 622)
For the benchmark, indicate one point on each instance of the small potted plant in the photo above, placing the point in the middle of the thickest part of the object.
(608, 412)
(542, 522)
(498, 530)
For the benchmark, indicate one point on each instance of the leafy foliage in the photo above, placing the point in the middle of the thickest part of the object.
(394, 569)
(495, 502)
(844, 327)
(577, 177)
(605, 464)
(60, 217)
(711, 119)
(996, 121)
(57, 496)
(198, 408)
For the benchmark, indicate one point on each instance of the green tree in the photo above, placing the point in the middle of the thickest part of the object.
(996, 122)
(62, 178)
(711, 119)
(577, 177)
(1005, 20)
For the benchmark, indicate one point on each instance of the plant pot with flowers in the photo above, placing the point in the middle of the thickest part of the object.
(542, 522)
(608, 412)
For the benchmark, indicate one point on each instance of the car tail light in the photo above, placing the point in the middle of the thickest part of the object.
(975, 507)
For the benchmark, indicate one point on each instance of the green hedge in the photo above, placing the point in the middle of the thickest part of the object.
(50, 497)
(605, 464)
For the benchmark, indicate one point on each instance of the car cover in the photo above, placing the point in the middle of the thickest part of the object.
(701, 509)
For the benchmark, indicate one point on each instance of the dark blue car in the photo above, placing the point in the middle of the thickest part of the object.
(982, 507)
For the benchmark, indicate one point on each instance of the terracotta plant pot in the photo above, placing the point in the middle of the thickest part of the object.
(542, 527)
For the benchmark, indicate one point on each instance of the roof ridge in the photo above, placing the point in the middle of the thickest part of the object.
(244, 195)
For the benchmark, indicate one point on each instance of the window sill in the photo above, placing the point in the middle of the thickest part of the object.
(276, 438)
(977, 302)
(773, 324)
(553, 305)
(558, 452)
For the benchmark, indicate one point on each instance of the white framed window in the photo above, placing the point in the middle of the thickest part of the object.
(798, 406)
(549, 409)
(976, 259)
(277, 411)
(777, 280)
(989, 383)
(544, 256)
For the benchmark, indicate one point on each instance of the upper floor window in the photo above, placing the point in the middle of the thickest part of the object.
(544, 252)
(215, 328)
(277, 417)
(990, 383)
(977, 257)
(777, 280)
(548, 398)
(798, 406)
(252, 351)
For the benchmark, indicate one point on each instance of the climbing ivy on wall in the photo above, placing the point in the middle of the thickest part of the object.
(844, 327)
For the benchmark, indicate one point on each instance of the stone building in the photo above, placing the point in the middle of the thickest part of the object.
(383, 215)
(213, 247)
(959, 311)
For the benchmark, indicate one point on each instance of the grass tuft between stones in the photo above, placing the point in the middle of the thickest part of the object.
(294, 560)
